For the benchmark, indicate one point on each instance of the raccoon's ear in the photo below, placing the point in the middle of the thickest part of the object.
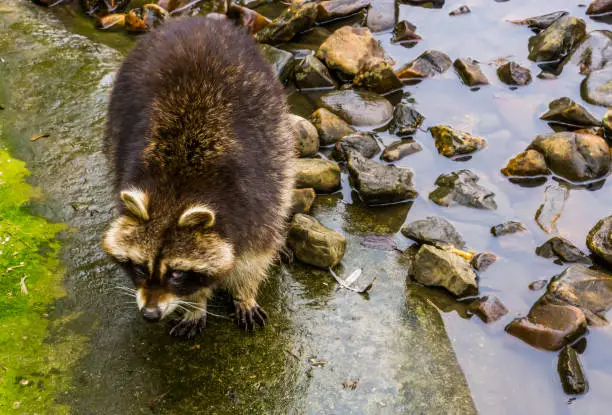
(136, 202)
(200, 215)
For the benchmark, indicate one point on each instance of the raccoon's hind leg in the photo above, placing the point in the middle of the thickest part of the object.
(193, 321)
(251, 269)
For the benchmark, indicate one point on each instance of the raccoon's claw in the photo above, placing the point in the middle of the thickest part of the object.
(247, 316)
(189, 327)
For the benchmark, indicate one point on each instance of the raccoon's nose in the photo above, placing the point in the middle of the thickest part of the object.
(151, 314)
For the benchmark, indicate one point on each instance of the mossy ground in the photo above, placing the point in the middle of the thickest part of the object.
(31, 369)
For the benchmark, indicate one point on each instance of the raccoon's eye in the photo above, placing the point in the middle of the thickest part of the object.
(177, 275)
(140, 270)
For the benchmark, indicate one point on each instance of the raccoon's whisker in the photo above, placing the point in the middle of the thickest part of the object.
(194, 307)
(126, 289)
(218, 315)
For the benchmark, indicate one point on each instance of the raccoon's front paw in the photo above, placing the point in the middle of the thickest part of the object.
(248, 313)
(189, 326)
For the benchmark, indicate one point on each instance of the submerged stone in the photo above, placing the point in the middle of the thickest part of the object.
(434, 230)
(306, 136)
(360, 108)
(377, 77)
(321, 175)
(293, 20)
(597, 87)
(550, 211)
(379, 183)
(451, 142)
(563, 250)
(397, 150)
(315, 244)
(512, 73)
(566, 111)
(483, 260)
(527, 163)
(470, 73)
(406, 120)
(311, 73)
(571, 372)
(438, 268)
(427, 65)
(462, 188)
(405, 32)
(599, 240)
(558, 40)
(489, 309)
(281, 60)
(360, 142)
(541, 22)
(599, 7)
(302, 200)
(507, 228)
(331, 128)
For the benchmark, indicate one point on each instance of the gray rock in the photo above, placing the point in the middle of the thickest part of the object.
(549, 326)
(599, 7)
(550, 211)
(397, 150)
(512, 73)
(360, 142)
(563, 250)
(483, 260)
(538, 285)
(302, 200)
(434, 230)
(451, 142)
(462, 188)
(588, 289)
(541, 22)
(330, 127)
(377, 77)
(339, 8)
(358, 108)
(599, 239)
(489, 309)
(406, 120)
(558, 40)
(315, 244)
(459, 11)
(321, 175)
(381, 16)
(565, 111)
(438, 268)
(379, 183)
(430, 4)
(426, 65)
(281, 60)
(507, 228)
(597, 87)
(571, 372)
(311, 73)
(525, 164)
(470, 73)
(405, 33)
(574, 156)
(594, 53)
(293, 20)
(306, 136)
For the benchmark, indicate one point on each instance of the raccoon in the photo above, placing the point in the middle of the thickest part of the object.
(199, 135)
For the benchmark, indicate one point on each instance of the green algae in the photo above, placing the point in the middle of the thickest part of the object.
(30, 280)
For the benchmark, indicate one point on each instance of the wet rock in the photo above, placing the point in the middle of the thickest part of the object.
(434, 230)
(360, 108)
(507, 228)
(321, 175)
(379, 183)
(427, 65)
(281, 60)
(430, 4)
(451, 142)
(212, 9)
(538, 285)
(566, 111)
(574, 156)
(571, 373)
(542, 22)
(483, 260)
(97, 7)
(489, 309)
(550, 211)
(462, 188)
(377, 77)
(291, 21)
(558, 40)
(404, 32)
(594, 53)
(114, 21)
(527, 163)
(331, 128)
(315, 244)
(381, 15)
(438, 268)
(470, 73)
(306, 136)
(599, 7)
(549, 326)
(459, 11)
(563, 250)
(397, 150)
(607, 123)
(512, 73)
(549, 76)
(599, 239)
(339, 8)
(349, 49)
(252, 21)
(597, 87)
(302, 200)
(588, 289)
(406, 120)
(360, 142)
(312, 73)
(145, 19)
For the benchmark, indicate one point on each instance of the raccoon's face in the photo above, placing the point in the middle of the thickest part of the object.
(171, 258)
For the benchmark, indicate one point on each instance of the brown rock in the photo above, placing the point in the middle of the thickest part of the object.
(470, 73)
(451, 142)
(302, 200)
(339, 8)
(527, 163)
(378, 77)
(321, 175)
(315, 244)
(405, 33)
(331, 128)
(306, 136)
(427, 65)
(310, 73)
(483, 260)
(599, 7)
(489, 309)
(512, 73)
(292, 21)
(252, 21)
(400, 149)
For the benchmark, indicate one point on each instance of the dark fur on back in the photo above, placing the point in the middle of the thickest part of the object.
(197, 115)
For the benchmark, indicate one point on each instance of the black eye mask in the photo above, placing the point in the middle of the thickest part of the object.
(187, 282)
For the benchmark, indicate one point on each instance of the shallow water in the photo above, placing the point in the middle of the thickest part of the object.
(393, 340)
